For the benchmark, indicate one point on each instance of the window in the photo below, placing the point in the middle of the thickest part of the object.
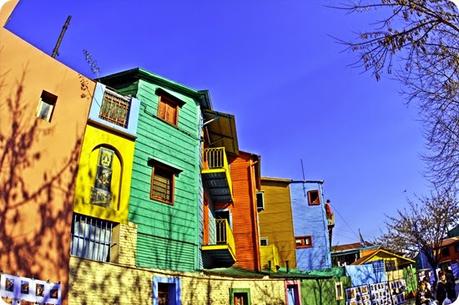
(162, 184)
(168, 110)
(390, 265)
(445, 251)
(46, 106)
(339, 291)
(303, 242)
(91, 238)
(115, 108)
(292, 295)
(240, 296)
(260, 201)
(101, 192)
(313, 197)
(263, 241)
(166, 291)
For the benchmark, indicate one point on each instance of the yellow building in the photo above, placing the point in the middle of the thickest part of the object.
(276, 225)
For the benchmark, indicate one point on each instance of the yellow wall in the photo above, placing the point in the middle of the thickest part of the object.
(268, 254)
(105, 283)
(276, 222)
(94, 138)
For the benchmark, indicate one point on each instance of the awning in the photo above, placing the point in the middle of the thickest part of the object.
(221, 128)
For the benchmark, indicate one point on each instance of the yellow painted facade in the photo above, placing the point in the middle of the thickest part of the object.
(105, 283)
(95, 139)
(268, 254)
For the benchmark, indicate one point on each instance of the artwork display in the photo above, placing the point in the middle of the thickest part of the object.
(387, 293)
(101, 192)
(16, 290)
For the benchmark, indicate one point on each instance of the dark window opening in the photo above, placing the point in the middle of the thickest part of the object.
(313, 197)
(46, 106)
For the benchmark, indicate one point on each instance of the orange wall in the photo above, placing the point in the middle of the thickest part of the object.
(245, 218)
(276, 221)
(38, 173)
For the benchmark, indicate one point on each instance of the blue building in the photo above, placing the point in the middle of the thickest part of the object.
(311, 226)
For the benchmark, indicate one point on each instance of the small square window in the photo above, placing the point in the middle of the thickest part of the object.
(303, 242)
(263, 241)
(162, 184)
(313, 197)
(168, 110)
(46, 106)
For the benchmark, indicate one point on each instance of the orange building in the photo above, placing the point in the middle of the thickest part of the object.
(449, 251)
(245, 173)
(45, 106)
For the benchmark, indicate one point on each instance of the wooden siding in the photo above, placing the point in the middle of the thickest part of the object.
(276, 222)
(245, 220)
(168, 235)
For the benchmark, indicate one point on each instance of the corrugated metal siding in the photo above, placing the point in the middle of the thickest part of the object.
(244, 224)
(310, 220)
(276, 220)
(163, 229)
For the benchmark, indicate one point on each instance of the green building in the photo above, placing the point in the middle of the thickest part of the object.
(166, 190)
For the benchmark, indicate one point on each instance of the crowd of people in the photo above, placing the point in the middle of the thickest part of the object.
(443, 292)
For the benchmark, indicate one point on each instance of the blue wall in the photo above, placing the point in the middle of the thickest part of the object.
(310, 220)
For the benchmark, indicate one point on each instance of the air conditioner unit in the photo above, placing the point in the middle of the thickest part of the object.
(260, 201)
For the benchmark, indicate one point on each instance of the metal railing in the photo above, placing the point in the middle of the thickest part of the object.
(215, 157)
(225, 235)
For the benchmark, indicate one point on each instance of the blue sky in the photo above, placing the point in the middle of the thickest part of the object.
(276, 67)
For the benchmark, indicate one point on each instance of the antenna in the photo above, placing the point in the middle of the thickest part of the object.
(302, 170)
(61, 36)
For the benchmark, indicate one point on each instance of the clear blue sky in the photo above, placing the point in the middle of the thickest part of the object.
(274, 66)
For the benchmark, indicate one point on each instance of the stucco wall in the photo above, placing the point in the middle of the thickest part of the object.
(38, 174)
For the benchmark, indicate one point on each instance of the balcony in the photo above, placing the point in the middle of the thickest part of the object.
(216, 175)
(223, 252)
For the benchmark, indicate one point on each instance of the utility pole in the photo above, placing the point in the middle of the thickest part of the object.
(61, 36)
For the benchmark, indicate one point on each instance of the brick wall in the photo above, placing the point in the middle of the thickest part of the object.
(127, 244)
(106, 283)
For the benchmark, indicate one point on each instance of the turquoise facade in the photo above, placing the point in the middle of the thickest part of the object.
(168, 235)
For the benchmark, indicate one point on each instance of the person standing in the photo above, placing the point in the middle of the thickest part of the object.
(445, 289)
(423, 295)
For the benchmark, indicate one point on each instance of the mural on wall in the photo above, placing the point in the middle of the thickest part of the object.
(101, 194)
(21, 290)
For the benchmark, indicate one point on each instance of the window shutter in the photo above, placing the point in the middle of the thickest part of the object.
(162, 109)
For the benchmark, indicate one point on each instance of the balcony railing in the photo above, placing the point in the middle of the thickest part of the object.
(225, 235)
(215, 158)
(215, 167)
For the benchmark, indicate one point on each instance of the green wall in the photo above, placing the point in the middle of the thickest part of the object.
(322, 291)
(168, 236)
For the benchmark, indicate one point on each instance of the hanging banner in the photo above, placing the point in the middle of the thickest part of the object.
(21, 290)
